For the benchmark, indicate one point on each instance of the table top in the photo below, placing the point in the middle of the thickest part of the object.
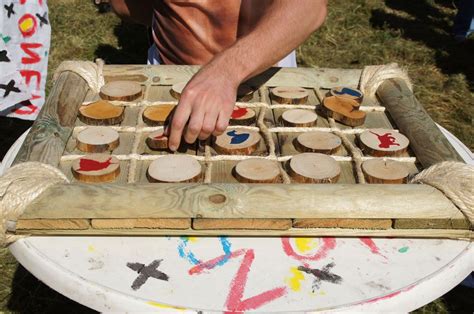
(246, 274)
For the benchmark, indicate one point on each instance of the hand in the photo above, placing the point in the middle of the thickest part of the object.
(204, 108)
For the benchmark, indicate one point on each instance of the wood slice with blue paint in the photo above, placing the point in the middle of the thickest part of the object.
(343, 110)
(174, 169)
(318, 142)
(177, 89)
(314, 168)
(383, 142)
(97, 139)
(101, 113)
(96, 168)
(236, 141)
(349, 93)
(242, 116)
(385, 171)
(257, 170)
(299, 118)
(121, 90)
(289, 95)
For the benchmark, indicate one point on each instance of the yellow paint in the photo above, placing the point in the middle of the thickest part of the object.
(192, 239)
(91, 248)
(305, 244)
(295, 281)
(26, 24)
(164, 306)
(322, 292)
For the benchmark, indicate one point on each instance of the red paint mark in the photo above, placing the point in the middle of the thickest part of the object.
(24, 1)
(93, 165)
(387, 296)
(27, 107)
(372, 246)
(159, 137)
(386, 140)
(29, 74)
(210, 264)
(328, 245)
(33, 57)
(239, 112)
(25, 29)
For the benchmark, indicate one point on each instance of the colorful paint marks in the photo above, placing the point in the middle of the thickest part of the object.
(348, 91)
(328, 245)
(145, 272)
(27, 25)
(386, 140)
(295, 280)
(238, 138)
(4, 56)
(239, 112)
(186, 253)
(371, 245)
(320, 275)
(93, 165)
(10, 9)
(306, 244)
(403, 249)
(9, 88)
(165, 306)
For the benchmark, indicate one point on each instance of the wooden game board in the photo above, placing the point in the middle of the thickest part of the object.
(218, 204)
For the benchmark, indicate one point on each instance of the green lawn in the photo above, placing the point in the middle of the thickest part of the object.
(414, 33)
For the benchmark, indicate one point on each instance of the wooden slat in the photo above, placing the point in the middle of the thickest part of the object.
(59, 224)
(431, 224)
(151, 223)
(343, 223)
(242, 224)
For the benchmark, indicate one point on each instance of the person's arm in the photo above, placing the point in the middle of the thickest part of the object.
(134, 11)
(207, 101)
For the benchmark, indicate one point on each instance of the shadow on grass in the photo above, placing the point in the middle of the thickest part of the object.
(133, 45)
(432, 27)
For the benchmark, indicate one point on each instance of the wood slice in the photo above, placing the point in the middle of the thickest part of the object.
(101, 113)
(96, 168)
(157, 141)
(157, 115)
(299, 118)
(318, 142)
(343, 110)
(385, 171)
(383, 142)
(349, 93)
(242, 116)
(121, 90)
(177, 89)
(245, 92)
(314, 168)
(97, 139)
(174, 168)
(289, 95)
(237, 142)
(256, 170)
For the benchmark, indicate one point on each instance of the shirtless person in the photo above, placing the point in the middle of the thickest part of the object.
(233, 40)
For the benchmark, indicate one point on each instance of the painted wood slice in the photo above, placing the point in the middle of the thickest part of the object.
(157, 115)
(174, 168)
(289, 95)
(236, 141)
(242, 116)
(96, 168)
(177, 89)
(101, 113)
(121, 90)
(383, 142)
(157, 141)
(349, 93)
(245, 92)
(383, 170)
(299, 118)
(314, 168)
(318, 142)
(97, 139)
(344, 110)
(256, 170)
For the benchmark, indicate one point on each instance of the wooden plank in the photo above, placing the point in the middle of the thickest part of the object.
(151, 223)
(58, 224)
(242, 201)
(242, 224)
(426, 140)
(343, 223)
(51, 130)
(431, 224)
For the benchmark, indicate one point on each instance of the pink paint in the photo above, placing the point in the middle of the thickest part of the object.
(239, 112)
(93, 165)
(386, 140)
(159, 137)
(210, 264)
(387, 296)
(372, 246)
(328, 245)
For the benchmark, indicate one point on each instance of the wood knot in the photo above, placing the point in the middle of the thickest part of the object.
(217, 198)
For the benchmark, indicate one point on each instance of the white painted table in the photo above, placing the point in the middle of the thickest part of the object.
(247, 274)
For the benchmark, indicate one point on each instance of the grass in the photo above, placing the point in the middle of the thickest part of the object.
(414, 34)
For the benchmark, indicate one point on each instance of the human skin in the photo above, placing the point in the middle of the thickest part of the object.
(207, 101)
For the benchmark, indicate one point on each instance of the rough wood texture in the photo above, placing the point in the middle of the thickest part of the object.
(53, 127)
(385, 171)
(314, 168)
(383, 142)
(157, 115)
(58, 224)
(101, 113)
(121, 91)
(343, 110)
(257, 171)
(343, 223)
(431, 224)
(148, 223)
(289, 95)
(244, 224)
(97, 140)
(299, 118)
(426, 140)
(95, 168)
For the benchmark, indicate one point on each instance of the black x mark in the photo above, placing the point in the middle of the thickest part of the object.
(43, 19)
(146, 272)
(9, 9)
(3, 56)
(321, 275)
(10, 87)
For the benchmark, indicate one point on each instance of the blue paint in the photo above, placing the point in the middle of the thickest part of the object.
(185, 253)
(348, 91)
(238, 138)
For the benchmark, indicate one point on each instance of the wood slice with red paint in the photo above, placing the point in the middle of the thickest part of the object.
(177, 89)
(256, 170)
(157, 141)
(318, 142)
(343, 110)
(101, 113)
(349, 93)
(383, 142)
(236, 141)
(157, 115)
(242, 116)
(121, 90)
(174, 168)
(385, 171)
(97, 139)
(289, 95)
(96, 168)
(299, 118)
(314, 168)
(245, 92)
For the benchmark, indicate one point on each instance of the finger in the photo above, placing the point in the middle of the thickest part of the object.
(209, 124)
(180, 118)
(221, 124)
(194, 126)
(167, 124)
